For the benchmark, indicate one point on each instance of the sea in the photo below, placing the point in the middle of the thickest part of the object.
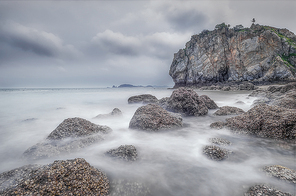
(169, 162)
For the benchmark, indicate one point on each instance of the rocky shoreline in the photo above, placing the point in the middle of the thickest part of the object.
(272, 116)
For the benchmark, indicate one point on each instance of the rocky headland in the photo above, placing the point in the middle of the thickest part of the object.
(257, 54)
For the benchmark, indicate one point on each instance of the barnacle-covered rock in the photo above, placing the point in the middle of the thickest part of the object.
(220, 141)
(218, 125)
(187, 102)
(70, 177)
(208, 102)
(266, 121)
(216, 153)
(228, 110)
(281, 172)
(124, 152)
(71, 135)
(152, 117)
(264, 190)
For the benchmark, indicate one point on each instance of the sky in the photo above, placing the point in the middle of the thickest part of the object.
(105, 42)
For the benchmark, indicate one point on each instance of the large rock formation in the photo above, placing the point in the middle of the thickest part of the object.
(259, 53)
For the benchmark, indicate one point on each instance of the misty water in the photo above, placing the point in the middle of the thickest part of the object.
(169, 162)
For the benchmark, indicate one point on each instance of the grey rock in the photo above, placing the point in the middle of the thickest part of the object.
(266, 121)
(208, 102)
(281, 172)
(215, 153)
(246, 86)
(152, 117)
(115, 113)
(227, 110)
(70, 177)
(145, 98)
(265, 190)
(226, 55)
(218, 125)
(187, 102)
(124, 187)
(124, 152)
(220, 141)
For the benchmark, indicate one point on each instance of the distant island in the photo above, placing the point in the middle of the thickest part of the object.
(132, 86)
(257, 54)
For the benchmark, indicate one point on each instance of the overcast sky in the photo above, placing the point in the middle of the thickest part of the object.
(105, 43)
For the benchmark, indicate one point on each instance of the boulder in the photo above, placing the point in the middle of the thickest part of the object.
(266, 121)
(124, 152)
(281, 172)
(208, 102)
(287, 100)
(186, 101)
(218, 125)
(163, 102)
(70, 177)
(115, 112)
(145, 98)
(71, 135)
(215, 153)
(152, 117)
(227, 110)
(247, 86)
(265, 190)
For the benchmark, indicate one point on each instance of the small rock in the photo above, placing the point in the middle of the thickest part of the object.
(145, 98)
(281, 172)
(220, 141)
(215, 153)
(227, 110)
(124, 152)
(115, 112)
(218, 125)
(264, 190)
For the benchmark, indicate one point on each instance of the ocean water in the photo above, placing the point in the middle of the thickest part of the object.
(169, 162)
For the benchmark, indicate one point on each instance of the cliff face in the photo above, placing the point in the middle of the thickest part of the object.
(259, 53)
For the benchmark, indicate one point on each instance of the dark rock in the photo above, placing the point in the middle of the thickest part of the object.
(124, 152)
(115, 112)
(70, 177)
(264, 190)
(220, 141)
(218, 125)
(266, 121)
(152, 117)
(226, 88)
(208, 102)
(76, 127)
(288, 100)
(215, 153)
(71, 135)
(281, 172)
(274, 89)
(227, 110)
(186, 101)
(145, 98)
(163, 102)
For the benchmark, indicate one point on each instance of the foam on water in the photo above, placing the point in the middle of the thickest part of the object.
(171, 162)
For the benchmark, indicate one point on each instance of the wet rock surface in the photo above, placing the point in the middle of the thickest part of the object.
(71, 135)
(281, 172)
(220, 141)
(266, 121)
(228, 110)
(70, 177)
(215, 153)
(187, 102)
(115, 112)
(152, 117)
(265, 190)
(208, 102)
(124, 152)
(124, 187)
(145, 98)
(218, 125)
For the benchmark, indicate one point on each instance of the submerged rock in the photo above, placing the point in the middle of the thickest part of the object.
(281, 172)
(220, 141)
(71, 135)
(70, 177)
(124, 187)
(125, 152)
(215, 153)
(145, 98)
(115, 112)
(152, 117)
(266, 121)
(265, 190)
(228, 110)
(218, 125)
(187, 102)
